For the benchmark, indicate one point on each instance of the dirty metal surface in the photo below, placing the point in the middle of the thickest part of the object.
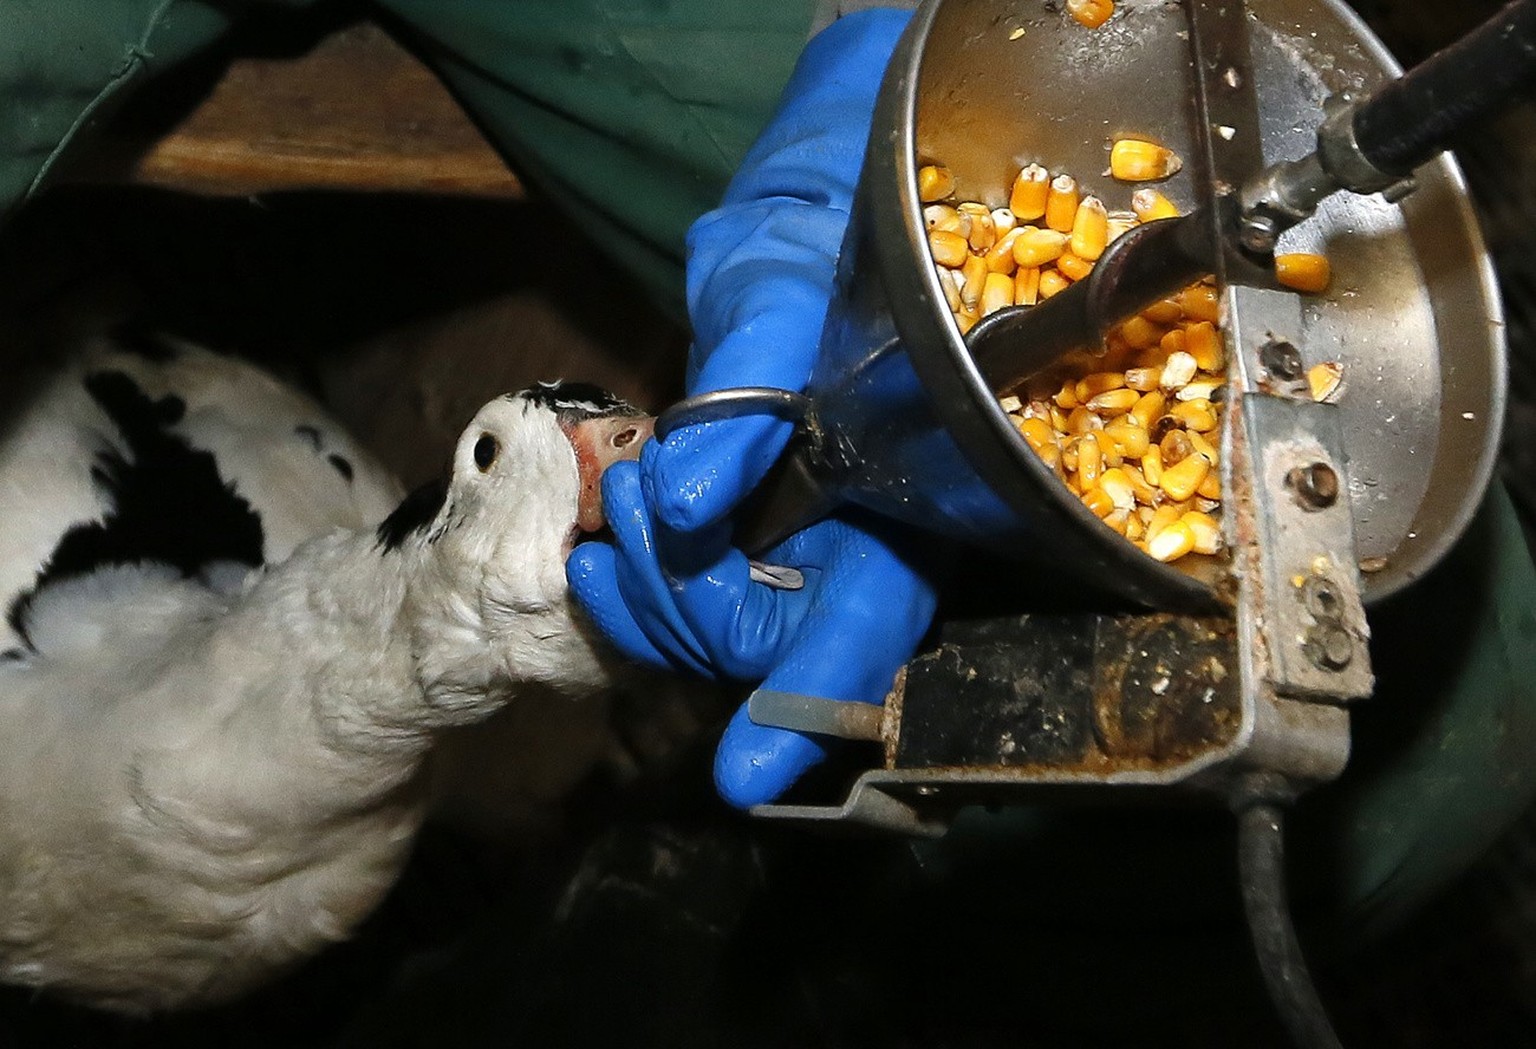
(1087, 693)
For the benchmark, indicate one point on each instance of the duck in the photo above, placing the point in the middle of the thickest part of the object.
(231, 641)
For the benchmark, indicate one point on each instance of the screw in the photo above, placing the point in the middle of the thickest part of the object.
(1322, 599)
(1281, 359)
(1329, 647)
(1316, 486)
(1258, 233)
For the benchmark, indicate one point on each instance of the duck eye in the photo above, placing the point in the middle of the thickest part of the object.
(485, 452)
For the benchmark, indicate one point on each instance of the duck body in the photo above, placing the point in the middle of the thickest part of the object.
(228, 650)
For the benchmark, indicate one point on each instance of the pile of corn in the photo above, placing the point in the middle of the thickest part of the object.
(1137, 437)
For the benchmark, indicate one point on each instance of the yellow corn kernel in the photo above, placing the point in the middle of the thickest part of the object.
(1152, 465)
(1134, 528)
(1080, 421)
(1131, 439)
(1115, 483)
(1090, 230)
(1114, 402)
(1149, 409)
(1030, 189)
(934, 182)
(1118, 519)
(941, 216)
(1118, 224)
(1140, 333)
(982, 234)
(1145, 493)
(1204, 345)
(1162, 517)
(1177, 371)
(1038, 433)
(996, 292)
(1036, 247)
(1210, 488)
(1164, 311)
(1203, 446)
(1090, 13)
(1206, 531)
(1095, 500)
(1061, 203)
(1003, 220)
(1095, 383)
(1142, 379)
(1050, 455)
(1324, 380)
(1176, 447)
(1073, 267)
(1052, 283)
(999, 257)
(1303, 271)
(1090, 460)
(1172, 543)
(1200, 302)
(1069, 457)
(975, 273)
(1026, 286)
(949, 248)
(1199, 389)
(1137, 160)
(949, 287)
(1150, 205)
(1066, 397)
(1180, 480)
(1059, 418)
(1195, 415)
(1176, 341)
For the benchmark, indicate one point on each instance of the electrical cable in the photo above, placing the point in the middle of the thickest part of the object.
(1261, 871)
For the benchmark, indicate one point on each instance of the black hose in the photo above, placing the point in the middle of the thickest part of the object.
(1261, 870)
(1412, 119)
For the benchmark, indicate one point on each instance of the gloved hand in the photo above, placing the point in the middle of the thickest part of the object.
(671, 592)
(686, 600)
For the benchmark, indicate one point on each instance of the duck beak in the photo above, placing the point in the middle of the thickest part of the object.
(599, 443)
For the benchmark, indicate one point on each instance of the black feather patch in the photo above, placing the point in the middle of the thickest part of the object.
(414, 514)
(578, 400)
(341, 464)
(169, 503)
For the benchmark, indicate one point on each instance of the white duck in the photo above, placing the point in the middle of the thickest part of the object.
(221, 674)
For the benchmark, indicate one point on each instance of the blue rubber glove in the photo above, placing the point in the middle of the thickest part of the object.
(678, 600)
(671, 591)
(760, 266)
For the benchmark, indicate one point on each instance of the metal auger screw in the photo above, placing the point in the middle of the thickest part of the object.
(1258, 234)
(1329, 646)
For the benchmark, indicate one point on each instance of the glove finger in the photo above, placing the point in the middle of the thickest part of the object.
(592, 574)
(646, 592)
(756, 763)
(699, 474)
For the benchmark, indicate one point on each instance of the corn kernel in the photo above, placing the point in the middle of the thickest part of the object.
(1175, 447)
(1143, 379)
(949, 249)
(1114, 402)
(1061, 203)
(966, 319)
(1090, 461)
(1003, 220)
(1090, 13)
(1135, 528)
(1206, 531)
(949, 287)
(1180, 480)
(941, 216)
(1145, 493)
(1195, 415)
(1178, 371)
(1152, 465)
(1066, 397)
(996, 292)
(1203, 446)
(1116, 484)
(1162, 517)
(1011, 404)
(1303, 271)
(1150, 205)
(1082, 421)
(1038, 433)
(1030, 190)
(975, 273)
(1117, 224)
(1200, 302)
(1199, 390)
(1131, 439)
(1026, 286)
(1210, 488)
(1090, 230)
(999, 257)
(1096, 501)
(1164, 311)
(1149, 409)
(1172, 543)
(1036, 247)
(934, 182)
(1137, 160)
(1073, 267)
(1204, 345)
(1324, 380)
(1140, 333)
(1052, 283)
(1176, 341)
(1118, 519)
(1095, 383)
